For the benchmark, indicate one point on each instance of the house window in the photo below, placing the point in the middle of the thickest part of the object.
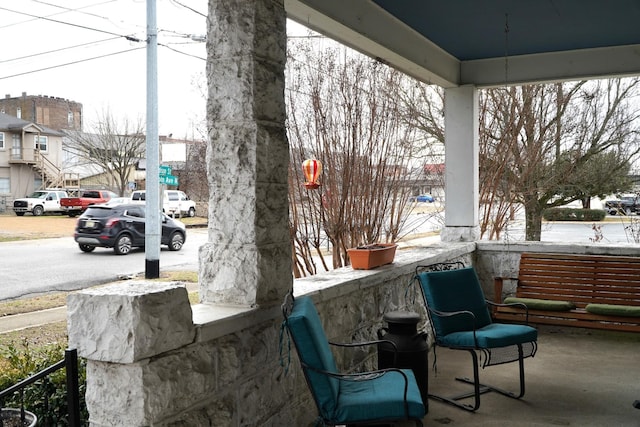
(5, 186)
(70, 118)
(19, 112)
(2, 146)
(16, 146)
(42, 142)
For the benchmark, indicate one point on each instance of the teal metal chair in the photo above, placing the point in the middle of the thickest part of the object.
(460, 320)
(382, 396)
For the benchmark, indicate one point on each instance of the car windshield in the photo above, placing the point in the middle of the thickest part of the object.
(38, 195)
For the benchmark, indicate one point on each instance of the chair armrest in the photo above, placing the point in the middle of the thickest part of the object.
(459, 313)
(455, 313)
(374, 342)
(363, 343)
(512, 304)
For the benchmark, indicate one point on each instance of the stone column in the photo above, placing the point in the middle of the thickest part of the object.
(247, 260)
(461, 167)
(130, 333)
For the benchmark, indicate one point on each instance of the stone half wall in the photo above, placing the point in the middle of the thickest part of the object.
(147, 366)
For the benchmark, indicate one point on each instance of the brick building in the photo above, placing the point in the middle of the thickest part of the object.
(53, 112)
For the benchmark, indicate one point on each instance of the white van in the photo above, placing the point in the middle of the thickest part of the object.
(174, 202)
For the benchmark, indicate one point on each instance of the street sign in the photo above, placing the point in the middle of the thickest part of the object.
(169, 180)
(164, 170)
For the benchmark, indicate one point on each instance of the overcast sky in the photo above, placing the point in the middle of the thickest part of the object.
(86, 51)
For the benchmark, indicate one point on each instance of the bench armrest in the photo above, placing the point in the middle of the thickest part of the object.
(498, 284)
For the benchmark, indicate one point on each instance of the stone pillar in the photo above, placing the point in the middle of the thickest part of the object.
(123, 329)
(461, 167)
(247, 260)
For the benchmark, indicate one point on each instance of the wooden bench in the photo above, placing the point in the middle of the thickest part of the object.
(579, 280)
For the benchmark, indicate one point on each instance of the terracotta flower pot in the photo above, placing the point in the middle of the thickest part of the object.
(372, 256)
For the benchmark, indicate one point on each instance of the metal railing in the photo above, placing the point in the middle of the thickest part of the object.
(70, 363)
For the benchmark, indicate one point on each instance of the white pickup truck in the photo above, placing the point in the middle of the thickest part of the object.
(174, 202)
(40, 202)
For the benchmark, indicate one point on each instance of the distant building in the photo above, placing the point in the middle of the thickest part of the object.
(52, 112)
(30, 158)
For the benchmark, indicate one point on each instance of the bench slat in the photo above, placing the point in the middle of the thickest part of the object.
(581, 279)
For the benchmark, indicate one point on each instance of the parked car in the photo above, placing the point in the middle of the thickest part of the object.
(40, 202)
(74, 206)
(122, 227)
(174, 202)
(423, 198)
(624, 205)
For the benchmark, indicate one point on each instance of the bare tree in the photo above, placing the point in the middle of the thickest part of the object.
(111, 151)
(563, 127)
(538, 145)
(339, 112)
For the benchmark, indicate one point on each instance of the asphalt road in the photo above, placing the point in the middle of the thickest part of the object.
(32, 267)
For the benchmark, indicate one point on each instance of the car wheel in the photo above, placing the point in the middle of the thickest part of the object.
(86, 248)
(20, 213)
(192, 212)
(38, 210)
(72, 215)
(176, 241)
(123, 244)
(627, 211)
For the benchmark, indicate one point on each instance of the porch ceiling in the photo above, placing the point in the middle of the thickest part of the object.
(457, 42)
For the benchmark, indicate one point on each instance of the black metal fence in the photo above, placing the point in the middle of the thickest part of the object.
(70, 363)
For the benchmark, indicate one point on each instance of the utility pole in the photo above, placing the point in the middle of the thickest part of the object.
(153, 224)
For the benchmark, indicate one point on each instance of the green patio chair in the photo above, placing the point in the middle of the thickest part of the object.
(382, 396)
(460, 320)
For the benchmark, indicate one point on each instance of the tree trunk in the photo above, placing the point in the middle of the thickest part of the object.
(533, 221)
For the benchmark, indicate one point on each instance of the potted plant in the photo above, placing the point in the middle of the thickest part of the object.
(366, 257)
(12, 417)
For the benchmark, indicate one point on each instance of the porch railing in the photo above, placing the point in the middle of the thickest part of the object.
(70, 363)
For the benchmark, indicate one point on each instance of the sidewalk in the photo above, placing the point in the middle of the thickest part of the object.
(33, 319)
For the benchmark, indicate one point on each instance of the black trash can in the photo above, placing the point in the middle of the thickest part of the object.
(413, 349)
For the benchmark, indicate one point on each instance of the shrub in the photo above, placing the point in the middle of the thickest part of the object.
(569, 214)
(46, 398)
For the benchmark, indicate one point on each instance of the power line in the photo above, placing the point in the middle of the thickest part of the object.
(180, 52)
(187, 7)
(72, 63)
(58, 50)
(58, 13)
(67, 9)
(130, 38)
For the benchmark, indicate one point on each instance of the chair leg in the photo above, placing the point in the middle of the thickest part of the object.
(480, 388)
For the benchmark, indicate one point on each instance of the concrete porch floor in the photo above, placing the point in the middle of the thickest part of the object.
(578, 377)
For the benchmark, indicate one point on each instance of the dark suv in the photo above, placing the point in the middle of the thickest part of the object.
(121, 227)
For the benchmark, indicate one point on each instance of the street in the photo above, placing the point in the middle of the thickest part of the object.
(32, 267)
